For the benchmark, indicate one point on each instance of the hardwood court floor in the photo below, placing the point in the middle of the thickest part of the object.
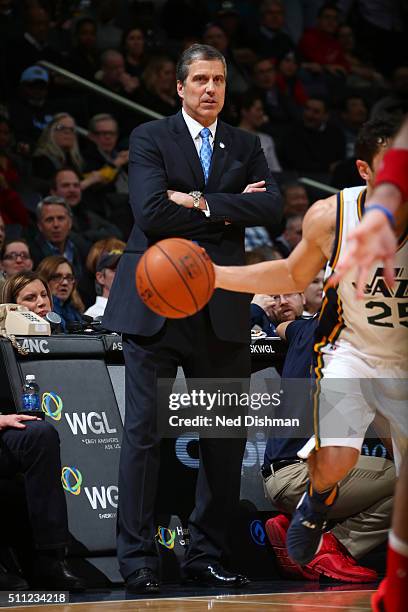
(331, 601)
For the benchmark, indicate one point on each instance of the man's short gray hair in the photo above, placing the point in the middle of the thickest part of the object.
(48, 201)
(101, 117)
(193, 54)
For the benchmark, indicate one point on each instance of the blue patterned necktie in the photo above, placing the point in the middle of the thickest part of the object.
(205, 152)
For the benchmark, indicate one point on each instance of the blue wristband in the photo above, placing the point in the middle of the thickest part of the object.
(384, 210)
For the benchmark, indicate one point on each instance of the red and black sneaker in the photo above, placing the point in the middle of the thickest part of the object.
(276, 529)
(334, 561)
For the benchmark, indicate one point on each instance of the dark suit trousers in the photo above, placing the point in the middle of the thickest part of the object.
(192, 344)
(34, 452)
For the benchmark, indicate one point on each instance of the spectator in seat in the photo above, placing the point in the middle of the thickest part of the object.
(279, 107)
(27, 289)
(32, 46)
(262, 314)
(54, 222)
(84, 56)
(113, 75)
(66, 184)
(313, 295)
(159, 90)
(292, 235)
(312, 145)
(362, 74)
(320, 45)
(31, 110)
(295, 198)
(134, 52)
(270, 39)
(238, 79)
(86, 285)
(15, 257)
(354, 113)
(57, 148)
(11, 205)
(104, 275)
(59, 274)
(30, 449)
(288, 81)
(103, 154)
(252, 118)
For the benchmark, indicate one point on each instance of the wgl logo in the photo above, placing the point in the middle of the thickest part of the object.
(71, 479)
(52, 405)
(166, 537)
(257, 532)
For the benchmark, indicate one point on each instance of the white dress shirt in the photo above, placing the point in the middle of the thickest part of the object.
(195, 128)
(97, 309)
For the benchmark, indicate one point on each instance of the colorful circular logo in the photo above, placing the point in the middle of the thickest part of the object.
(71, 479)
(52, 405)
(258, 532)
(166, 537)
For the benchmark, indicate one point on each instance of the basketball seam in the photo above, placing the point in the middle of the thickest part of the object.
(180, 275)
(210, 285)
(157, 292)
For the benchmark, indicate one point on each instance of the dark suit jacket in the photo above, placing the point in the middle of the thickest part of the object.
(163, 156)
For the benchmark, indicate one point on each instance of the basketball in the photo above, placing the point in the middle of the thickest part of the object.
(175, 278)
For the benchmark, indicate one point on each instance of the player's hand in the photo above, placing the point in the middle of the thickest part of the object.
(15, 420)
(373, 240)
(255, 187)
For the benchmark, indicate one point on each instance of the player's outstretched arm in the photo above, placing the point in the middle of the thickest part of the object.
(289, 275)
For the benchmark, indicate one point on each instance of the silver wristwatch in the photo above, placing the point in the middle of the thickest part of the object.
(196, 198)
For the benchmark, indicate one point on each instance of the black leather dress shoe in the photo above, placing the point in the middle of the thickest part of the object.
(215, 575)
(11, 582)
(57, 575)
(143, 580)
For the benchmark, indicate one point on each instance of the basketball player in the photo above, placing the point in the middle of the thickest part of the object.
(364, 339)
(374, 239)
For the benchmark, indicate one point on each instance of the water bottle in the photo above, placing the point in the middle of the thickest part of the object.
(30, 403)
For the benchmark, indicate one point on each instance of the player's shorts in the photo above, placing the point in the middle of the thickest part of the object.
(352, 388)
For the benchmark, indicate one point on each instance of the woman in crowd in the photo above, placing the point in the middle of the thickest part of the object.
(59, 274)
(57, 148)
(27, 289)
(160, 86)
(84, 57)
(14, 258)
(133, 45)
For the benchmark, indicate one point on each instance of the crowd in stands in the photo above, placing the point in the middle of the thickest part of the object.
(304, 76)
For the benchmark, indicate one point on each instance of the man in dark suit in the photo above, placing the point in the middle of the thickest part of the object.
(168, 159)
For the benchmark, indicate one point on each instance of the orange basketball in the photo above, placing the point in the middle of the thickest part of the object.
(175, 278)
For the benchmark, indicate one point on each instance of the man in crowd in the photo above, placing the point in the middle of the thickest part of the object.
(292, 235)
(54, 237)
(87, 224)
(104, 275)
